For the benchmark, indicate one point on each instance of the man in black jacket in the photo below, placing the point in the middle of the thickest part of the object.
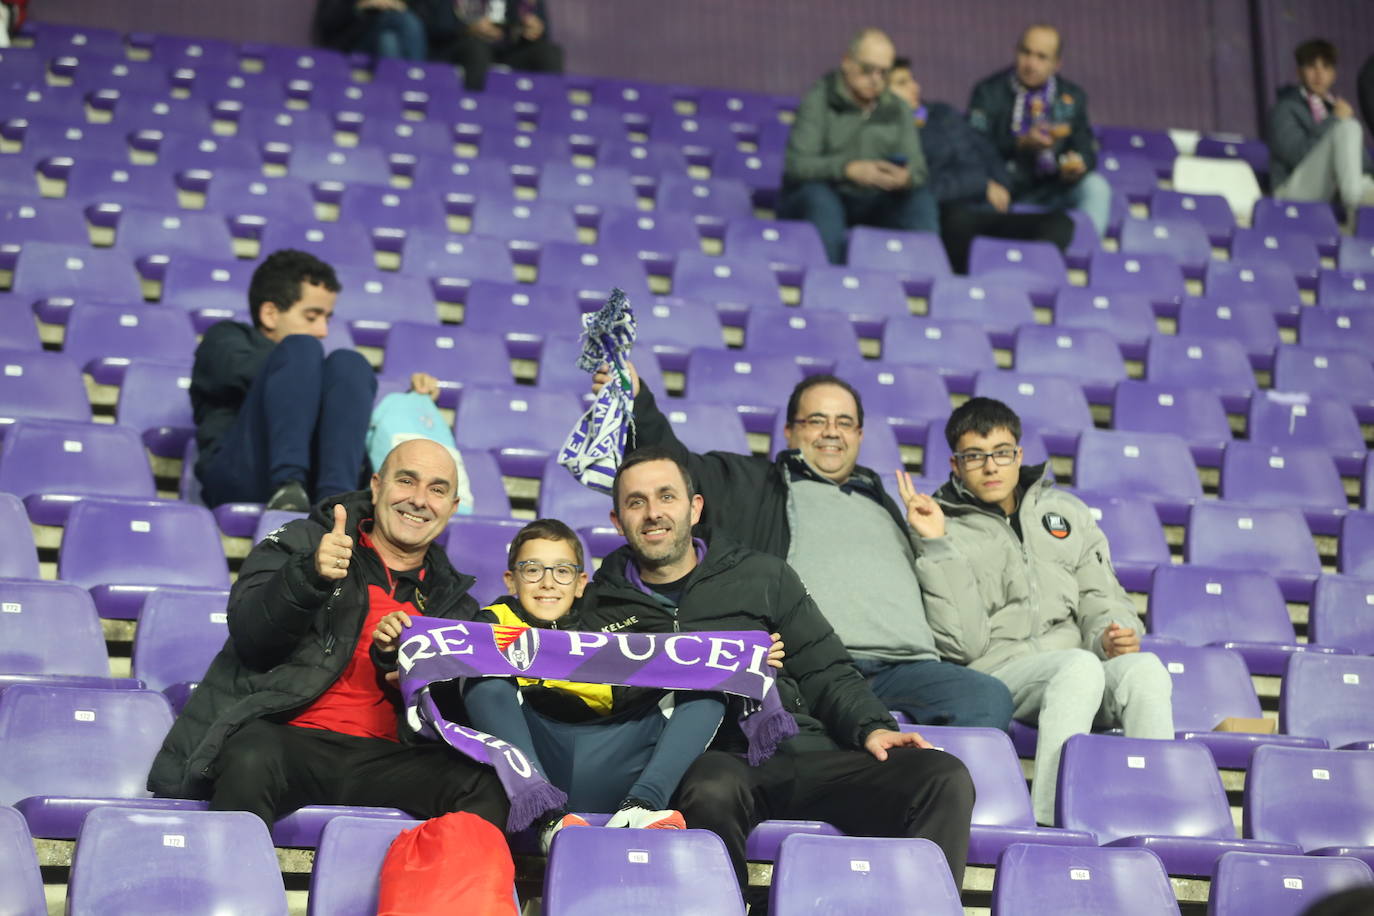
(478, 33)
(848, 765)
(296, 710)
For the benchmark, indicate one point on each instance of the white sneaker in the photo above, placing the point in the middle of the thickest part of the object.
(641, 817)
(551, 829)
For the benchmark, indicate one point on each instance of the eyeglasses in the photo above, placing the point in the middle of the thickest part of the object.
(873, 69)
(532, 571)
(972, 461)
(819, 421)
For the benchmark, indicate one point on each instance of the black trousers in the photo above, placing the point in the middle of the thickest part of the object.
(960, 222)
(271, 770)
(476, 56)
(914, 793)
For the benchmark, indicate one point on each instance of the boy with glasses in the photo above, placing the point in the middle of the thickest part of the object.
(1018, 583)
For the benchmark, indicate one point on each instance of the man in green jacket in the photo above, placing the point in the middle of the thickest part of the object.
(853, 156)
(1018, 583)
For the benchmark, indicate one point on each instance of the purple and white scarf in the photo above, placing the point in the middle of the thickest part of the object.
(1032, 109)
(434, 649)
(596, 445)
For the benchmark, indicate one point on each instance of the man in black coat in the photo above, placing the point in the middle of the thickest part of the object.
(478, 33)
(848, 765)
(296, 709)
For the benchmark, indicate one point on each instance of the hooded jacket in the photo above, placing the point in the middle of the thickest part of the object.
(736, 588)
(990, 111)
(1293, 132)
(291, 634)
(832, 130)
(991, 597)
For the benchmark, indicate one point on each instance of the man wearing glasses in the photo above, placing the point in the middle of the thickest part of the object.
(814, 506)
(853, 156)
(1018, 583)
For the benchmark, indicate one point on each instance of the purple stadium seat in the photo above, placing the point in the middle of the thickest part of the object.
(478, 547)
(1268, 281)
(51, 464)
(332, 167)
(1183, 239)
(1052, 405)
(816, 339)
(268, 522)
(523, 425)
(1367, 486)
(603, 870)
(1211, 685)
(909, 398)
(252, 200)
(593, 270)
(533, 87)
(57, 145)
(736, 106)
(1235, 609)
(1364, 223)
(1314, 799)
(1155, 274)
(123, 549)
(17, 328)
(42, 385)
(530, 222)
(1000, 307)
(517, 147)
(758, 384)
(293, 63)
(195, 158)
(867, 297)
(210, 290)
(52, 38)
(489, 499)
(1131, 175)
(153, 399)
(1299, 476)
(1157, 466)
(371, 302)
(179, 633)
(1250, 884)
(1134, 534)
(113, 186)
(75, 743)
(655, 238)
(1082, 879)
(1342, 614)
(1254, 537)
(714, 202)
(21, 883)
(1002, 813)
(698, 137)
(1251, 324)
(860, 875)
(1343, 289)
(1347, 328)
(391, 214)
(1195, 414)
(1356, 556)
(646, 162)
(457, 357)
(1037, 266)
(672, 328)
(231, 90)
(1087, 355)
(1316, 219)
(103, 339)
(19, 556)
(26, 219)
(1297, 250)
(1328, 696)
(1255, 152)
(178, 51)
(635, 95)
(790, 247)
(732, 281)
(1164, 796)
(150, 118)
(523, 314)
(99, 76)
(21, 66)
(595, 122)
(561, 496)
(707, 427)
(1343, 375)
(1216, 364)
(558, 369)
(460, 182)
(51, 635)
(760, 171)
(452, 263)
(1155, 146)
(598, 188)
(47, 270)
(1210, 211)
(1127, 316)
(165, 862)
(957, 349)
(339, 244)
(344, 877)
(919, 258)
(278, 129)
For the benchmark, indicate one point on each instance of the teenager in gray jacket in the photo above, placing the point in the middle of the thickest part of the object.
(1018, 583)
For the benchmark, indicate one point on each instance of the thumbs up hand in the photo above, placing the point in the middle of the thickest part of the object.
(336, 549)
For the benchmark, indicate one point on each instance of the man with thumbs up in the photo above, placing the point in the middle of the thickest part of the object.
(295, 709)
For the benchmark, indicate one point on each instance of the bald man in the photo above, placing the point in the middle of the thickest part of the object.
(1038, 122)
(853, 156)
(296, 709)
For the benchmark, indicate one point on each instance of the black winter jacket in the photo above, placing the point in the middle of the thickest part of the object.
(736, 588)
(228, 360)
(990, 111)
(291, 635)
(746, 495)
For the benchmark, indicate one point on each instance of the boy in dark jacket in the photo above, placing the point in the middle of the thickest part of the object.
(848, 765)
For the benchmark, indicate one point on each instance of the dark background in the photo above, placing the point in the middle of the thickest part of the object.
(1202, 64)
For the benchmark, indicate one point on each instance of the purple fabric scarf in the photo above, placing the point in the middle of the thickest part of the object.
(1032, 109)
(434, 649)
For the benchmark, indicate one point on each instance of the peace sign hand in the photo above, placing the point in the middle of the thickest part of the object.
(923, 513)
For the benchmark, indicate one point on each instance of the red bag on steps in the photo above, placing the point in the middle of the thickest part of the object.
(455, 864)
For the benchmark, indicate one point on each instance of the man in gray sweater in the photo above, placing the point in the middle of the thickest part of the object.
(1316, 146)
(853, 156)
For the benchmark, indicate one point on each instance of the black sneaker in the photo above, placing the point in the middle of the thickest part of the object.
(290, 497)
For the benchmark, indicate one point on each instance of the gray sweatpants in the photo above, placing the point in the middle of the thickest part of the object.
(1335, 164)
(1068, 691)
